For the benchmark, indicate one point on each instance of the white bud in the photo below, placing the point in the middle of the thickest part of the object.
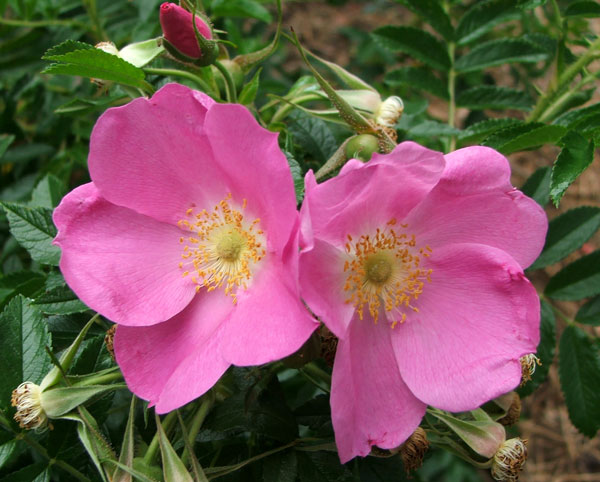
(27, 398)
(389, 111)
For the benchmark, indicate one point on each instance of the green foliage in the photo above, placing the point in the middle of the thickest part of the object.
(589, 313)
(500, 52)
(576, 281)
(492, 97)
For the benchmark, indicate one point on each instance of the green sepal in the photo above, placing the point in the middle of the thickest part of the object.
(58, 401)
(173, 468)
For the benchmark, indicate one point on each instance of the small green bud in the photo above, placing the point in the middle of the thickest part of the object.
(362, 147)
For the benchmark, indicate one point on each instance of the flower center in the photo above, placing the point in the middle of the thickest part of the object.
(385, 270)
(223, 248)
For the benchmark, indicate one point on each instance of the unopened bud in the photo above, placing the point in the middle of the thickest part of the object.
(180, 36)
(528, 364)
(362, 147)
(513, 412)
(389, 111)
(509, 460)
(414, 449)
(27, 398)
(109, 340)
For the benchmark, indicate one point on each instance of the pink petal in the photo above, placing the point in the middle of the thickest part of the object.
(322, 286)
(370, 403)
(152, 155)
(174, 362)
(477, 317)
(364, 198)
(269, 321)
(475, 203)
(254, 167)
(120, 263)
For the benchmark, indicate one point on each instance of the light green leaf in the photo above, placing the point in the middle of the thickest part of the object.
(499, 52)
(587, 9)
(432, 12)
(482, 17)
(48, 192)
(576, 155)
(22, 347)
(579, 370)
(61, 400)
(419, 44)
(492, 97)
(580, 279)
(34, 230)
(173, 468)
(418, 78)
(142, 53)
(590, 312)
(248, 93)
(568, 232)
(538, 186)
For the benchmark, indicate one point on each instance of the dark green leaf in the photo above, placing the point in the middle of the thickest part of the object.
(590, 312)
(296, 176)
(504, 136)
(479, 131)
(375, 469)
(432, 12)
(580, 279)
(492, 97)
(64, 48)
(5, 142)
(97, 64)
(576, 155)
(322, 467)
(431, 128)
(60, 301)
(483, 17)
(583, 9)
(22, 347)
(538, 186)
(313, 135)
(530, 4)
(34, 230)
(33, 473)
(546, 134)
(499, 52)
(281, 467)
(579, 371)
(241, 8)
(418, 78)
(248, 93)
(83, 106)
(48, 192)
(569, 119)
(27, 152)
(415, 42)
(545, 350)
(567, 233)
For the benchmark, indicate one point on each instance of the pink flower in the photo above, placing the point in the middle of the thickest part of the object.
(415, 262)
(187, 237)
(178, 29)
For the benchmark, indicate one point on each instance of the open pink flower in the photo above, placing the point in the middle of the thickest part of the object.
(415, 262)
(187, 237)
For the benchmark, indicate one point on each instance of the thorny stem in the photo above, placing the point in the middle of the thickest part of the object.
(152, 451)
(180, 73)
(197, 421)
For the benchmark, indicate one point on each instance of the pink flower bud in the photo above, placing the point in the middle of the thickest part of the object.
(178, 29)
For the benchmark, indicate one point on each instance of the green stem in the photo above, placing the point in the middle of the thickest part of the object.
(152, 451)
(229, 84)
(179, 73)
(43, 23)
(315, 371)
(560, 314)
(100, 379)
(197, 421)
(557, 106)
(284, 110)
(546, 100)
(92, 11)
(44, 453)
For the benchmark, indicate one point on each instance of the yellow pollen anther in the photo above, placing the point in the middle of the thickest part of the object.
(224, 248)
(384, 271)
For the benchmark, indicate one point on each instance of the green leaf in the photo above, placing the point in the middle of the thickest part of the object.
(590, 312)
(576, 155)
(418, 78)
(5, 141)
(508, 134)
(48, 192)
(58, 401)
(583, 9)
(419, 44)
(431, 129)
(26, 283)
(297, 176)
(322, 466)
(34, 230)
(538, 186)
(580, 279)
(313, 135)
(22, 347)
(97, 64)
(376, 469)
(64, 48)
(579, 371)
(545, 350)
(483, 17)
(173, 468)
(81, 106)
(530, 4)
(27, 152)
(480, 130)
(569, 119)
(60, 301)
(281, 467)
(432, 12)
(241, 8)
(492, 97)
(545, 134)
(499, 52)
(34, 473)
(567, 233)
(248, 93)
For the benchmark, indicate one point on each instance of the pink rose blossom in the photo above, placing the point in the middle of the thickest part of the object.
(187, 237)
(415, 262)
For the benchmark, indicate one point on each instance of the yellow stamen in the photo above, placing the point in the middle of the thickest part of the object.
(385, 270)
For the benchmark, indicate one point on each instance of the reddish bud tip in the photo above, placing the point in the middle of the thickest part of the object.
(178, 29)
